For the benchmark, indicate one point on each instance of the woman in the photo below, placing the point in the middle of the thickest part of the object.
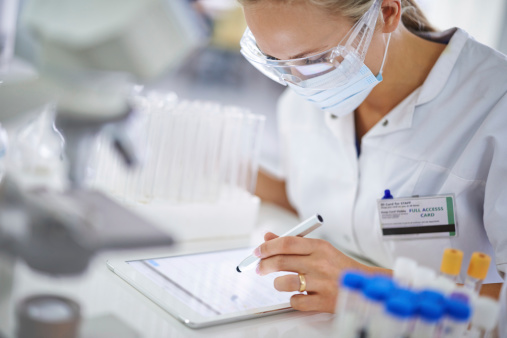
(379, 100)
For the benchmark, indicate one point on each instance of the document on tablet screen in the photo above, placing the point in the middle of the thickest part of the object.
(209, 283)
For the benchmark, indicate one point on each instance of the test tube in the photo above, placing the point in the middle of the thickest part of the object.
(245, 155)
(457, 317)
(375, 293)
(404, 270)
(237, 120)
(460, 296)
(165, 156)
(8, 17)
(423, 277)
(226, 149)
(189, 144)
(200, 151)
(257, 130)
(213, 153)
(443, 284)
(484, 317)
(477, 271)
(175, 173)
(349, 304)
(429, 315)
(451, 263)
(400, 311)
(433, 296)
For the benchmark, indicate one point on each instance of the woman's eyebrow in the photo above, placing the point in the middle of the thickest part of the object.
(308, 52)
(298, 56)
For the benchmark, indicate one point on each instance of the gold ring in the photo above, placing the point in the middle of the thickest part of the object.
(302, 283)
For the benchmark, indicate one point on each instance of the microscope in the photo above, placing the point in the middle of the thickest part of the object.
(87, 56)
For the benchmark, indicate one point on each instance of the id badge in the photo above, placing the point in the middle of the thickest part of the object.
(417, 217)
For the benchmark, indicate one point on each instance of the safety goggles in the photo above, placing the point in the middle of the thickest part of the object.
(343, 61)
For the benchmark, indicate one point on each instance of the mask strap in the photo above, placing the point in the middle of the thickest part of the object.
(385, 54)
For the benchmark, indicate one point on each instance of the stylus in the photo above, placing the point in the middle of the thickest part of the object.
(301, 230)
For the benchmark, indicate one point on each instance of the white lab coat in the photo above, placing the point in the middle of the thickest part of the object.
(448, 137)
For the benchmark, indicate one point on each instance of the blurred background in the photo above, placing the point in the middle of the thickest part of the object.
(219, 73)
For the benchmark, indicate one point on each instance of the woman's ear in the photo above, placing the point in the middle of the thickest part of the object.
(391, 13)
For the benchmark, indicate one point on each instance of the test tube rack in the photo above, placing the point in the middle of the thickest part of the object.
(198, 165)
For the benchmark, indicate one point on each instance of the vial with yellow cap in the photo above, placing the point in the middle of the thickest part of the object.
(477, 271)
(451, 264)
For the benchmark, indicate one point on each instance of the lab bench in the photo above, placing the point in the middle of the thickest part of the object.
(112, 308)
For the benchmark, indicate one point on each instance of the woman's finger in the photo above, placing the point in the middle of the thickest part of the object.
(314, 302)
(269, 236)
(289, 263)
(290, 245)
(291, 283)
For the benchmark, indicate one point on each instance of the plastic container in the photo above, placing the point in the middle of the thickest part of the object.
(404, 270)
(477, 271)
(195, 221)
(199, 163)
(375, 293)
(423, 278)
(399, 315)
(429, 315)
(443, 284)
(432, 296)
(451, 264)
(457, 317)
(349, 304)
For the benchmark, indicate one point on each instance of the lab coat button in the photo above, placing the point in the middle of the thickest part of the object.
(385, 123)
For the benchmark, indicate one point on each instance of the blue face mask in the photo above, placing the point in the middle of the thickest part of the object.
(343, 99)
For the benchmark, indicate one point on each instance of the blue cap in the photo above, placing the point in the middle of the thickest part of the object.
(430, 311)
(401, 307)
(457, 310)
(406, 293)
(354, 280)
(432, 296)
(387, 195)
(378, 288)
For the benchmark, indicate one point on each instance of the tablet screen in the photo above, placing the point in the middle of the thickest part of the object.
(209, 283)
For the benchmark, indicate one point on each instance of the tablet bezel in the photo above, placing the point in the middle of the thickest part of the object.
(173, 305)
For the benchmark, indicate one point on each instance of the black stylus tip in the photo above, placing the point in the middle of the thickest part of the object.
(237, 269)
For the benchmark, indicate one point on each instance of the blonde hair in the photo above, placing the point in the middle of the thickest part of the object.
(412, 17)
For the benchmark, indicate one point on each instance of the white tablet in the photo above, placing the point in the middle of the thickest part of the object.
(205, 289)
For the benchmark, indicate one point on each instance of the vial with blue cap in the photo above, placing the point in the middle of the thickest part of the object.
(457, 318)
(432, 295)
(349, 305)
(400, 313)
(375, 293)
(430, 313)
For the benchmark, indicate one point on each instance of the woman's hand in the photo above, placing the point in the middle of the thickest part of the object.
(316, 259)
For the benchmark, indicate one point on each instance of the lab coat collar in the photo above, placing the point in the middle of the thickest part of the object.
(400, 117)
(439, 74)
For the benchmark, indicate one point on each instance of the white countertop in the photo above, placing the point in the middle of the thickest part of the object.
(102, 294)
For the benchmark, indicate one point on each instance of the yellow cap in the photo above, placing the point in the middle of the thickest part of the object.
(451, 262)
(479, 265)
